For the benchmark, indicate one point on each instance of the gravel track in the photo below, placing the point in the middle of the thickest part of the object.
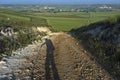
(69, 61)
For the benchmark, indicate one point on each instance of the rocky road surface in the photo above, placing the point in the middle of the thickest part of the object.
(13, 64)
(67, 61)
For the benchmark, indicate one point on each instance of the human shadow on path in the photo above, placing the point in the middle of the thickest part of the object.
(50, 65)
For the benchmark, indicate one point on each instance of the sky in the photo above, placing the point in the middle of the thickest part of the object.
(59, 1)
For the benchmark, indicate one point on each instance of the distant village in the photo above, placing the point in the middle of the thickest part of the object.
(55, 9)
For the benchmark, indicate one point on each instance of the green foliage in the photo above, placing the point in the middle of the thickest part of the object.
(113, 20)
(23, 38)
(99, 46)
(6, 47)
(26, 37)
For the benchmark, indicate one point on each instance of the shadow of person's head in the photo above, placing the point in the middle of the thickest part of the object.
(49, 44)
(46, 39)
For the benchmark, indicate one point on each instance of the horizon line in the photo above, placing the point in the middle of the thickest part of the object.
(61, 4)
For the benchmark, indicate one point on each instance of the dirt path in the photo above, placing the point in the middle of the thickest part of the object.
(72, 61)
(67, 61)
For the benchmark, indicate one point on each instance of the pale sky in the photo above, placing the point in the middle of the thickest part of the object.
(59, 1)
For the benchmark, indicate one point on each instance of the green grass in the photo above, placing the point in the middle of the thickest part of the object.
(65, 24)
(65, 21)
(18, 19)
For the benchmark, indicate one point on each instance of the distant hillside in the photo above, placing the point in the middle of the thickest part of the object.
(102, 40)
(18, 19)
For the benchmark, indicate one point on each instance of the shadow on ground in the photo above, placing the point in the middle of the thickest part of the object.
(51, 72)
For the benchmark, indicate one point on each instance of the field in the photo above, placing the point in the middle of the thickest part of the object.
(65, 21)
(19, 19)
(60, 21)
